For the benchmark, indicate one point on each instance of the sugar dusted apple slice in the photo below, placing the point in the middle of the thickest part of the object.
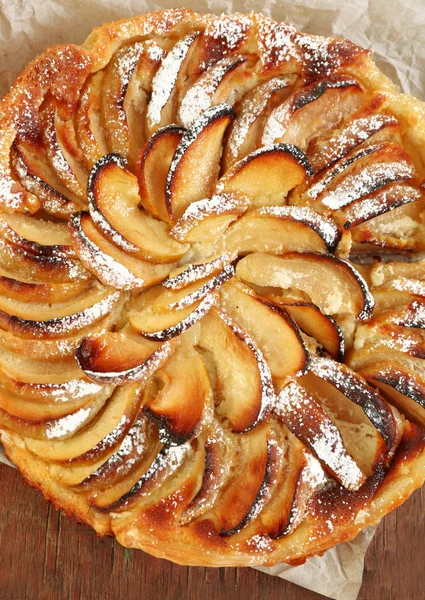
(114, 200)
(309, 422)
(112, 266)
(342, 289)
(314, 323)
(280, 229)
(403, 386)
(116, 77)
(182, 277)
(284, 352)
(216, 85)
(178, 396)
(167, 82)
(195, 166)
(15, 289)
(243, 378)
(152, 169)
(89, 132)
(255, 106)
(383, 417)
(37, 236)
(283, 166)
(123, 357)
(312, 110)
(159, 324)
(205, 220)
(363, 126)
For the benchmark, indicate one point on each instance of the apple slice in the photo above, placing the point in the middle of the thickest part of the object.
(14, 289)
(283, 166)
(254, 108)
(119, 358)
(280, 229)
(403, 387)
(342, 289)
(312, 110)
(89, 133)
(383, 417)
(114, 200)
(406, 277)
(194, 169)
(38, 177)
(84, 439)
(159, 324)
(168, 81)
(205, 220)
(361, 127)
(182, 277)
(361, 173)
(243, 379)
(112, 266)
(37, 236)
(305, 417)
(116, 77)
(224, 81)
(178, 396)
(284, 351)
(383, 200)
(153, 166)
(314, 323)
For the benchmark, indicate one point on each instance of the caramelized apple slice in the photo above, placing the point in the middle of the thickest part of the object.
(383, 417)
(280, 229)
(224, 81)
(89, 133)
(167, 82)
(255, 106)
(306, 418)
(111, 265)
(314, 323)
(404, 277)
(312, 110)
(14, 289)
(361, 127)
(205, 220)
(284, 351)
(178, 396)
(114, 201)
(403, 386)
(182, 277)
(159, 324)
(46, 393)
(196, 162)
(243, 379)
(342, 289)
(121, 357)
(37, 236)
(153, 166)
(85, 439)
(233, 510)
(116, 77)
(283, 166)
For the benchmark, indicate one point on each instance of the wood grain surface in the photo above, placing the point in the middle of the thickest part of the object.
(46, 556)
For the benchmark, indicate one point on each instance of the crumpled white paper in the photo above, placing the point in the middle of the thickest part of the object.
(394, 29)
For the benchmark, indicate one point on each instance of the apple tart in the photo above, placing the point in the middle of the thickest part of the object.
(212, 296)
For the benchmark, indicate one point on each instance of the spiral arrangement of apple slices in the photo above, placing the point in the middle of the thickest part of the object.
(198, 350)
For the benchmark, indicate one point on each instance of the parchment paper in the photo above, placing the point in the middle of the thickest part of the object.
(394, 29)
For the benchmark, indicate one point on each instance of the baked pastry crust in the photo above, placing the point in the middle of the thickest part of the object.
(173, 376)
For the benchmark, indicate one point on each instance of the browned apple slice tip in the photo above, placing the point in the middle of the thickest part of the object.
(184, 276)
(283, 166)
(152, 169)
(164, 325)
(279, 229)
(119, 358)
(194, 169)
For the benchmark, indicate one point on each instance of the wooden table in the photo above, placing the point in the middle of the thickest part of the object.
(46, 556)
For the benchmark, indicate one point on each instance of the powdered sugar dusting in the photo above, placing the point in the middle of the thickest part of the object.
(194, 272)
(213, 284)
(69, 424)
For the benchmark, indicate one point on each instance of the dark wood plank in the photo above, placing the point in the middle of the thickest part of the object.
(45, 555)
